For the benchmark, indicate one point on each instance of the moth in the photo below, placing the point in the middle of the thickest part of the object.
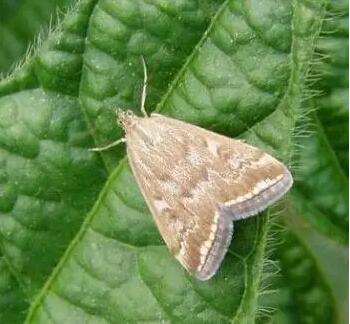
(196, 183)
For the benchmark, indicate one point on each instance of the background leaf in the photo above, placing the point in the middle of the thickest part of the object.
(320, 197)
(20, 22)
(304, 295)
(311, 284)
(321, 194)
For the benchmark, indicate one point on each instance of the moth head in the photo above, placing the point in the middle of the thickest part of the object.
(125, 118)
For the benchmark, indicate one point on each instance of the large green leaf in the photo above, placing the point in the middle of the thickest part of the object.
(235, 67)
(321, 194)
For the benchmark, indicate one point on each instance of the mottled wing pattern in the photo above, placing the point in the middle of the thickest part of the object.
(196, 183)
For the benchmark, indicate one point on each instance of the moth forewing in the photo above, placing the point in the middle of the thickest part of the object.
(196, 183)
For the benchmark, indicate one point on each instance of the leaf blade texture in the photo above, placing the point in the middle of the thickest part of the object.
(204, 58)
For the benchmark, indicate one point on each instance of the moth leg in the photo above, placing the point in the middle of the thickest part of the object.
(143, 97)
(103, 148)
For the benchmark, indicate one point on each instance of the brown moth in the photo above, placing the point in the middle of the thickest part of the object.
(196, 183)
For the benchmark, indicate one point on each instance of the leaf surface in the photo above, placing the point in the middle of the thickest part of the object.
(12, 299)
(304, 295)
(45, 190)
(235, 67)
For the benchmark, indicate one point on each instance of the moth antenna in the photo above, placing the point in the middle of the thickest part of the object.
(143, 97)
(103, 148)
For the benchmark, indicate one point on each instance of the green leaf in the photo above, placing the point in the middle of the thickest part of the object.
(333, 104)
(203, 58)
(313, 270)
(20, 22)
(12, 300)
(304, 296)
(321, 194)
(49, 180)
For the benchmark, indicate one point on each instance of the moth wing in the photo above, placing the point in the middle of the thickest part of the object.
(196, 183)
